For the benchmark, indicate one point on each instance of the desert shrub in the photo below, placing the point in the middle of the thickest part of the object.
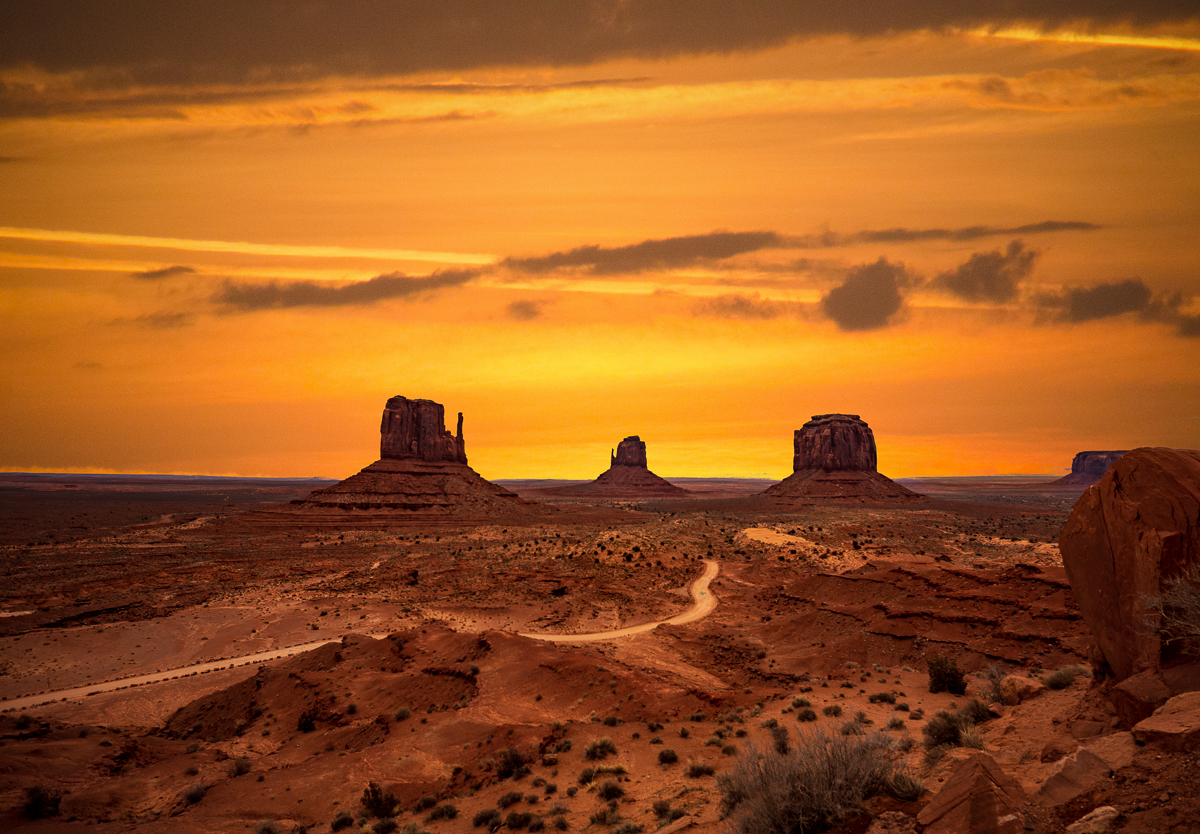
(610, 789)
(779, 738)
(586, 776)
(628, 828)
(656, 740)
(240, 767)
(41, 803)
(379, 802)
(307, 722)
(800, 703)
(608, 815)
(601, 748)
(194, 793)
(896, 723)
(532, 798)
(833, 710)
(551, 788)
(557, 809)
(611, 721)
(993, 674)
(560, 823)
(882, 698)
(853, 727)
(387, 825)
(445, 811)
(683, 732)
(192, 770)
(667, 756)
(934, 754)
(971, 737)
(423, 803)
(1176, 611)
(342, 819)
(905, 744)
(488, 816)
(402, 713)
(517, 820)
(352, 709)
(901, 707)
(806, 714)
(695, 770)
(905, 787)
(1064, 677)
(266, 827)
(696, 716)
(822, 781)
(537, 824)
(945, 728)
(564, 746)
(976, 711)
(946, 676)
(508, 799)
(654, 726)
(511, 762)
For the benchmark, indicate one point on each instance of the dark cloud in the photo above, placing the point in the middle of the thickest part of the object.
(150, 41)
(157, 321)
(965, 233)
(869, 296)
(742, 306)
(663, 253)
(1189, 327)
(165, 272)
(277, 295)
(524, 310)
(990, 276)
(1105, 300)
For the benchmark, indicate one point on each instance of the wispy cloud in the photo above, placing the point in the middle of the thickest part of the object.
(157, 321)
(276, 295)
(239, 247)
(164, 272)
(663, 253)
(524, 310)
(743, 306)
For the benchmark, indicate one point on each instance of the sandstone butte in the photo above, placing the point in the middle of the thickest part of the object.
(421, 468)
(627, 476)
(835, 458)
(1128, 534)
(1089, 467)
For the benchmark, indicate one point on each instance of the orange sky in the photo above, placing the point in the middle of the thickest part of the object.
(223, 247)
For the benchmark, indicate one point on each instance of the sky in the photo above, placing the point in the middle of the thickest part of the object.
(230, 231)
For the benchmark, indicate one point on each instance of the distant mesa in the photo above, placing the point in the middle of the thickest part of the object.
(1089, 467)
(835, 458)
(422, 468)
(627, 477)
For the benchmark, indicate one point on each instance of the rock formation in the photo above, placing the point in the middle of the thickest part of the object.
(978, 797)
(1089, 467)
(1126, 536)
(422, 468)
(835, 458)
(627, 477)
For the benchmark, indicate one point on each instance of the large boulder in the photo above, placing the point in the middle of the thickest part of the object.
(978, 798)
(1127, 534)
(1173, 726)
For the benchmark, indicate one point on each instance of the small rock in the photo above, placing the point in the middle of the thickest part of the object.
(1099, 821)
(1015, 688)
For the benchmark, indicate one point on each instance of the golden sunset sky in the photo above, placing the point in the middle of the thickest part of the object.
(230, 231)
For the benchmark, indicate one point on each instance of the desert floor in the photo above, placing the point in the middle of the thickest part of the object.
(295, 661)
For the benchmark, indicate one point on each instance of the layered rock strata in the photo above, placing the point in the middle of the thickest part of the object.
(835, 458)
(1126, 538)
(1089, 467)
(627, 477)
(422, 468)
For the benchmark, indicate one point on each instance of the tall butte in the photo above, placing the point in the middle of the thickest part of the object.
(421, 468)
(835, 459)
(627, 477)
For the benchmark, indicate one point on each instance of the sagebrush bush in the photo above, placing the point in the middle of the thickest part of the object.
(194, 793)
(511, 762)
(510, 798)
(696, 769)
(601, 748)
(822, 780)
(945, 728)
(667, 756)
(488, 816)
(379, 802)
(610, 789)
(806, 714)
(1175, 613)
(342, 819)
(445, 811)
(1064, 677)
(946, 676)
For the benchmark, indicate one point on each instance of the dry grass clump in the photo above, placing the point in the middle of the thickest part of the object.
(1177, 609)
(823, 779)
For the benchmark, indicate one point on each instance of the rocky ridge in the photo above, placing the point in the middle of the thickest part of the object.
(1089, 467)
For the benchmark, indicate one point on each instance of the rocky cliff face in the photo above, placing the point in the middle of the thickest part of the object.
(630, 452)
(416, 430)
(835, 443)
(1089, 467)
(1136, 528)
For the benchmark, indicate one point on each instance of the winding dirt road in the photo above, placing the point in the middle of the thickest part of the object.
(703, 604)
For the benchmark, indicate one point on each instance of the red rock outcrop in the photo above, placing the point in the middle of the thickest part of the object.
(627, 477)
(416, 430)
(1127, 534)
(422, 468)
(978, 798)
(835, 458)
(1089, 467)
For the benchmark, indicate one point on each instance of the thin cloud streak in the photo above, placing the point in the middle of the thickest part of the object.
(239, 247)
(275, 295)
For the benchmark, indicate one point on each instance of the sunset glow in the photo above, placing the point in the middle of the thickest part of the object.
(978, 234)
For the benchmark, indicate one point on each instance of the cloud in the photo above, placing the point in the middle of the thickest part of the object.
(278, 295)
(1105, 300)
(157, 321)
(741, 306)
(665, 253)
(165, 272)
(990, 276)
(1189, 327)
(869, 296)
(966, 233)
(149, 41)
(524, 310)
